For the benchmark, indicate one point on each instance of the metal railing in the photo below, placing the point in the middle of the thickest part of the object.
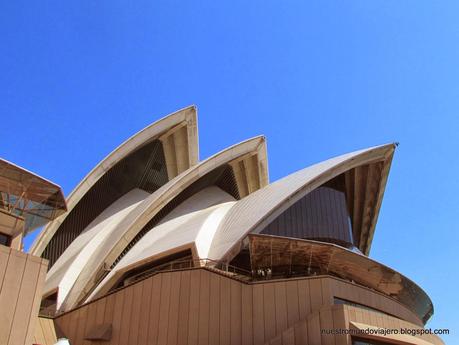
(187, 264)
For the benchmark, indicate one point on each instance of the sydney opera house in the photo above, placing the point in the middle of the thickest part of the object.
(155, 246)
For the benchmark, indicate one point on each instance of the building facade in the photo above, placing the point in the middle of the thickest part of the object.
(158, 247)
(27, 201)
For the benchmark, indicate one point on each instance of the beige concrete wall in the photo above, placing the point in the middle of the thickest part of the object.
(202, 307)
(353, 292)
(45, 334)
(22, 278)
(384, 321)
(307, 331)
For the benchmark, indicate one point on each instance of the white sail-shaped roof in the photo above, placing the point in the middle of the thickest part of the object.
(259, 208)
(191, 225)
(108, 251)
(68, 267)
(207, 208)
(180, 128)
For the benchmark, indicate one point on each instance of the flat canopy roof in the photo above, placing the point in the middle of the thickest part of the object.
(27, 195)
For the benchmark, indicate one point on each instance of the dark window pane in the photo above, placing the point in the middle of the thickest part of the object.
(5, 240)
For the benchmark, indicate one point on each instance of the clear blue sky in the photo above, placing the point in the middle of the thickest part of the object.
(317, 78)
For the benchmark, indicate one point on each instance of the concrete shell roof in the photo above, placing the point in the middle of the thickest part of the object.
(211, 223)
(190, 226)
(70, 264)
(147, 134)
(258, 209)
(109, 250)
(239, 218)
